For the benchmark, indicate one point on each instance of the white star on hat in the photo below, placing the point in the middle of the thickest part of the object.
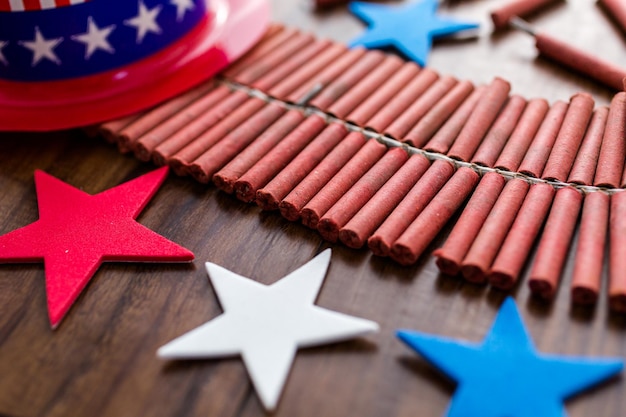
(145, 21)
(42, 48)
(2, 58)
(95, 38)
(181, 7)
(267, 324)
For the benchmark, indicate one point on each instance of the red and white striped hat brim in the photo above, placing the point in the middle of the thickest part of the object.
(29, 5)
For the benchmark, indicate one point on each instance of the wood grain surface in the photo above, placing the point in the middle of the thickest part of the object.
(101, 360)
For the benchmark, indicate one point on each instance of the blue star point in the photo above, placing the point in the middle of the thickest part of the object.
(504, 376)
(410, 28)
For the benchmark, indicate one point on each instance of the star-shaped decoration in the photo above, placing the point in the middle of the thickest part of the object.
(95, 38)
(267, 324)
(77, 231)
(504, 376)
(182, 6)
(42, 48)
(2, 57)
(409, 27)
(145, 21)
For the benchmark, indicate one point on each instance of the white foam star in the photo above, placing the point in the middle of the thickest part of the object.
(42, 48)
(267, 324)
(95, 38)
(2, 57)
(145, 21)
(181, 7)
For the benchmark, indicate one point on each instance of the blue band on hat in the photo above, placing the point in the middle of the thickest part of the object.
(92, 37)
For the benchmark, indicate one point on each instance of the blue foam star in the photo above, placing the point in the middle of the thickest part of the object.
(410, 28)
(505, 376)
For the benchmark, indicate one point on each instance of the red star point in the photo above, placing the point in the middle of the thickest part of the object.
(77, 231)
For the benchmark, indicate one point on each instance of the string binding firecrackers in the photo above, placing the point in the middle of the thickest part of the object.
(449, 180)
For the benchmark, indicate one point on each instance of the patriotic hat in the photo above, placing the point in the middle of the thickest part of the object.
(71, 63)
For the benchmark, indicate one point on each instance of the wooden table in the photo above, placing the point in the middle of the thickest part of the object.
(101, 361)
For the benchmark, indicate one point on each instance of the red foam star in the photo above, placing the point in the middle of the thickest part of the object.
(77, 231)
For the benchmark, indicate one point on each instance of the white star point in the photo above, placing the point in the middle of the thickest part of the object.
(182, 6)
(95, 38)
(145, 21)
(267, 324)
(2, 57)
(42, 48)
